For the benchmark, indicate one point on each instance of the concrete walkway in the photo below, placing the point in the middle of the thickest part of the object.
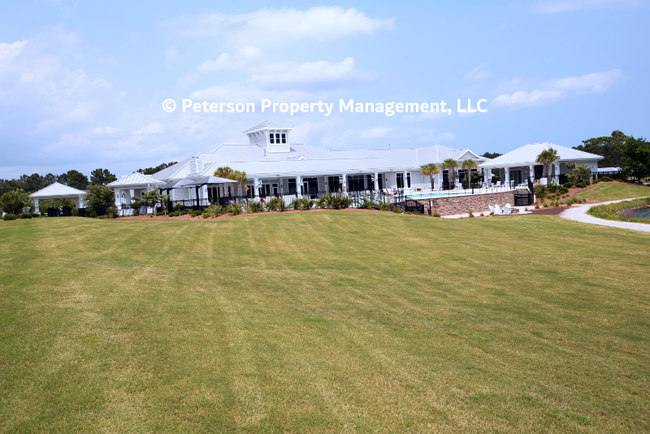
(579, 214)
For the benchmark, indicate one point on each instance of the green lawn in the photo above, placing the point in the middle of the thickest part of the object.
(324, 322)
(604, 192)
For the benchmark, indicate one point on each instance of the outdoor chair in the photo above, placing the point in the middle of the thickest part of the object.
(497, 210)
(507, 210)
(492, 211)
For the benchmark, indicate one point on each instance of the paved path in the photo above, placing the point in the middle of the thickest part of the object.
(579, 214)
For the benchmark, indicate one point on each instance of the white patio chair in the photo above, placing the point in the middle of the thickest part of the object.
(497, 210)
(507, 210)
(492, 211)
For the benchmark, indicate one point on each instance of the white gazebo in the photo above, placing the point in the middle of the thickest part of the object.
(58, 191)
(134, 185)
(519, 165)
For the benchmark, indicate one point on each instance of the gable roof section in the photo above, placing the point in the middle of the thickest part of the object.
(527, 154)
(57, 190)
(136, 179)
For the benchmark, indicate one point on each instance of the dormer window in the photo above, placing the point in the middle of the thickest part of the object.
(284, 138)
(271, 138)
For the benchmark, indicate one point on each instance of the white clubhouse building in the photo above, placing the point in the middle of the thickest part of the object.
(277, 167)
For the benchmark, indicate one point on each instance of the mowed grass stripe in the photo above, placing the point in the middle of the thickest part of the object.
(323, 322)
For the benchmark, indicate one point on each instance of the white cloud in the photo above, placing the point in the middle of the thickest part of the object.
(294, 75)
(272, 26)
(151, 128)
(100, 82)
(243, 59)
(555, 90)
(554, 6)
(596, 82)
(526, 99)
(478, 73)
(374, 133)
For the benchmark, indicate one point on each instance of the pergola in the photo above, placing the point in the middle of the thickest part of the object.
(58, 191)
(207, 180)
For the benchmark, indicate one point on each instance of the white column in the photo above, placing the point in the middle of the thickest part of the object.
(507, 175)
(256, 186)
(299, 185)
(376, 181)
(440, 178)
(531, 169)
(556, 178)
(80, 202)
(344, 182)
(406, 186)
(36, 206)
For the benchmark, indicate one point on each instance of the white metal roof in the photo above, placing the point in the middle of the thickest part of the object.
(269, 125)
(526, 155)
(136, 179)
(57, 190)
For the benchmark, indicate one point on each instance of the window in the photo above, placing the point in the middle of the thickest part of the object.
(292, 186)
(400, 180)
(284, 138)
(333, 184)
(271, 138)
(408, 180)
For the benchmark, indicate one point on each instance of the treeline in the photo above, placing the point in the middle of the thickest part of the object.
(630, 154)
(73, 178)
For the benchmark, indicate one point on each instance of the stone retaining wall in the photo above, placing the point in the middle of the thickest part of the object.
(478, 203)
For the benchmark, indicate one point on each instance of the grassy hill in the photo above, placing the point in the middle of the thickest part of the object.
(607, 191)
(323, 322)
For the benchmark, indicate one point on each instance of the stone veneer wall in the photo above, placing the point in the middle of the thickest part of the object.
(478, 203)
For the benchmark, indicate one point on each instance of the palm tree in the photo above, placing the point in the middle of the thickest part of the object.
(227, 173)
(451, 165)
(468, 165)
(547, 157)
(430, 170)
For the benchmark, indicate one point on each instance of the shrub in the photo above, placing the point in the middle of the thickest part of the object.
(366, 204)
(35, 215)
(9, 217)
(536, 206)
(234, 208)
(595, 181)
(397, 210)
(567, 185)
(541, 191)
(24, 215)
(471, 214)
(552, 188)
(214, 210)
(195, 213)
(254, 207)
(385, 206)
(606, 179)
(112, 212)
(274, 204)
(545, 204)
(91, 213)
(184, 212)
(570, 201)
(302, 204)
(587, 182)
(564, 190)
(581, 185)
(436, 215)
(174, 214)
(482, 215)
(158, 214)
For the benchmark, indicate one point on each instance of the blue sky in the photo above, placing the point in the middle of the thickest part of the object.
(82, 83)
